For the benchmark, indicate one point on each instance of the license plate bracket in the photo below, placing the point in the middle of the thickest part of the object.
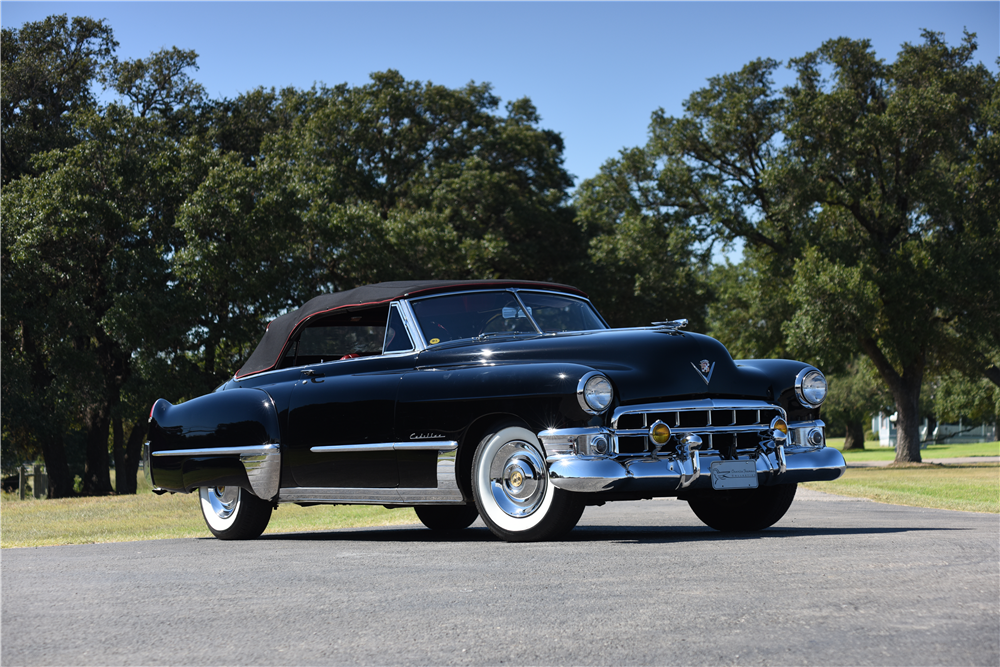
(734, 475)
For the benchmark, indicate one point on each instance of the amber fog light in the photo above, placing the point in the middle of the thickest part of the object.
(659, 432)
(779, 429)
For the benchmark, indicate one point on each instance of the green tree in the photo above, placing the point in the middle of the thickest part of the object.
(855, 395)
(85, 251)
(645, 263)
(49, 68)
(863, 191)
(484, 194)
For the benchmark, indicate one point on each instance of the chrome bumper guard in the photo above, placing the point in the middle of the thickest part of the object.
(575, 464)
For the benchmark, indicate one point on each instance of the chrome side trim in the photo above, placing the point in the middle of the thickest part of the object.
(424, 445)
(248, 450)
(261, 462)
(378, 447)
(439, 445)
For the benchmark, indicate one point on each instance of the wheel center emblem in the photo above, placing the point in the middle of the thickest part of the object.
(516, 478)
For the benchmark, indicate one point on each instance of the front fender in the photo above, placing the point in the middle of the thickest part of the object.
(225, 438)
(444, 401)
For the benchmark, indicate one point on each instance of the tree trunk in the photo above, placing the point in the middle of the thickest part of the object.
(855, 435)
(905, 388)
(133, 452)
(907, 395)
(56, 467)
(96, 475)
(118, 450)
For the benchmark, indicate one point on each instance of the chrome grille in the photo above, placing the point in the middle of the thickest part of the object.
(724, 426)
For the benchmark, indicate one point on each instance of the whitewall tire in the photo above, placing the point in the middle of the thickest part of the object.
(232, 513)
(512, 490)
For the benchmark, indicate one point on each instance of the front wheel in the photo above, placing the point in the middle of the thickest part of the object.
(233, 513)
(512, 490)
(745, 510)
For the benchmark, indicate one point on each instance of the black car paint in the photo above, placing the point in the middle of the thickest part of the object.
(447, 392)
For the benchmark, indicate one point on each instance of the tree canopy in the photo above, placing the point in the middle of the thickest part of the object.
(147, 241)
(865, 198)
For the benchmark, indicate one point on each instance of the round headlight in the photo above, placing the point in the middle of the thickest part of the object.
(810, 387)
(594, 393)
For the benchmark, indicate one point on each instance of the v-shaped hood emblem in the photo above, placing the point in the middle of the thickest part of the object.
(705, 369)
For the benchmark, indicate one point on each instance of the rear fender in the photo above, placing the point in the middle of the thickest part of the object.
(226, 438)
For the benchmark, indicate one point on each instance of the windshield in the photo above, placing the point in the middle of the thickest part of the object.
(472, 314)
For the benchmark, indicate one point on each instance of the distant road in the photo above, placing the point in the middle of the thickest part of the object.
(838, 581)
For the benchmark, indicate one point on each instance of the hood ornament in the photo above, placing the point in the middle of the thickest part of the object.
(671, 325)
(705, 369)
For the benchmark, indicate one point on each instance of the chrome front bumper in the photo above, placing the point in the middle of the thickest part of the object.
(677, 468)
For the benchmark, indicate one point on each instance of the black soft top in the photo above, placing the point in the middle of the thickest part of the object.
(281, 329)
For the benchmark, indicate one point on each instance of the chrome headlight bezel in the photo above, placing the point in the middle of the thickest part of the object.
(594, 393)
(805, 389)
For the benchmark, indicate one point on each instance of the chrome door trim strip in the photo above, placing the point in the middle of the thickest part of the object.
(375, 447)
(425, 445)
(438, 445)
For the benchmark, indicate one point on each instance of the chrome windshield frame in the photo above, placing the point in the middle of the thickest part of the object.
(410, 318)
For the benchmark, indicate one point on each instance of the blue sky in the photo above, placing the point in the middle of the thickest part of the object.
(595, 70)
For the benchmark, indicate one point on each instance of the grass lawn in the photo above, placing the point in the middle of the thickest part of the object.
(147, 516)
(971, 488)
(872, 452)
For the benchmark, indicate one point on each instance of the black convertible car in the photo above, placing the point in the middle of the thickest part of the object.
(507, 400)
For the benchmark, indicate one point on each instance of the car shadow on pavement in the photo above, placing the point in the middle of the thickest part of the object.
(589, 533)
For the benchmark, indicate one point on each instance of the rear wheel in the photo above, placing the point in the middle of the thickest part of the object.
(233, 513)
(744, 510)
(447, 517)
(512, 490)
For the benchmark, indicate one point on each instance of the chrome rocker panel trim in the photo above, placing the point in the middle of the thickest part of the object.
(446, 492)
(261, 462)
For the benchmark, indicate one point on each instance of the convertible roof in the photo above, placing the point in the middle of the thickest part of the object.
(278, 332)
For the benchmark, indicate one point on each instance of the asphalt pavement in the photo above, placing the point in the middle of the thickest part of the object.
(838, 581)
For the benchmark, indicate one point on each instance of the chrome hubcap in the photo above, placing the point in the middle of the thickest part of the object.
(517, 478)
(223, 500)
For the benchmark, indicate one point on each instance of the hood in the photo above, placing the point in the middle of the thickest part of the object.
(645, 365)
